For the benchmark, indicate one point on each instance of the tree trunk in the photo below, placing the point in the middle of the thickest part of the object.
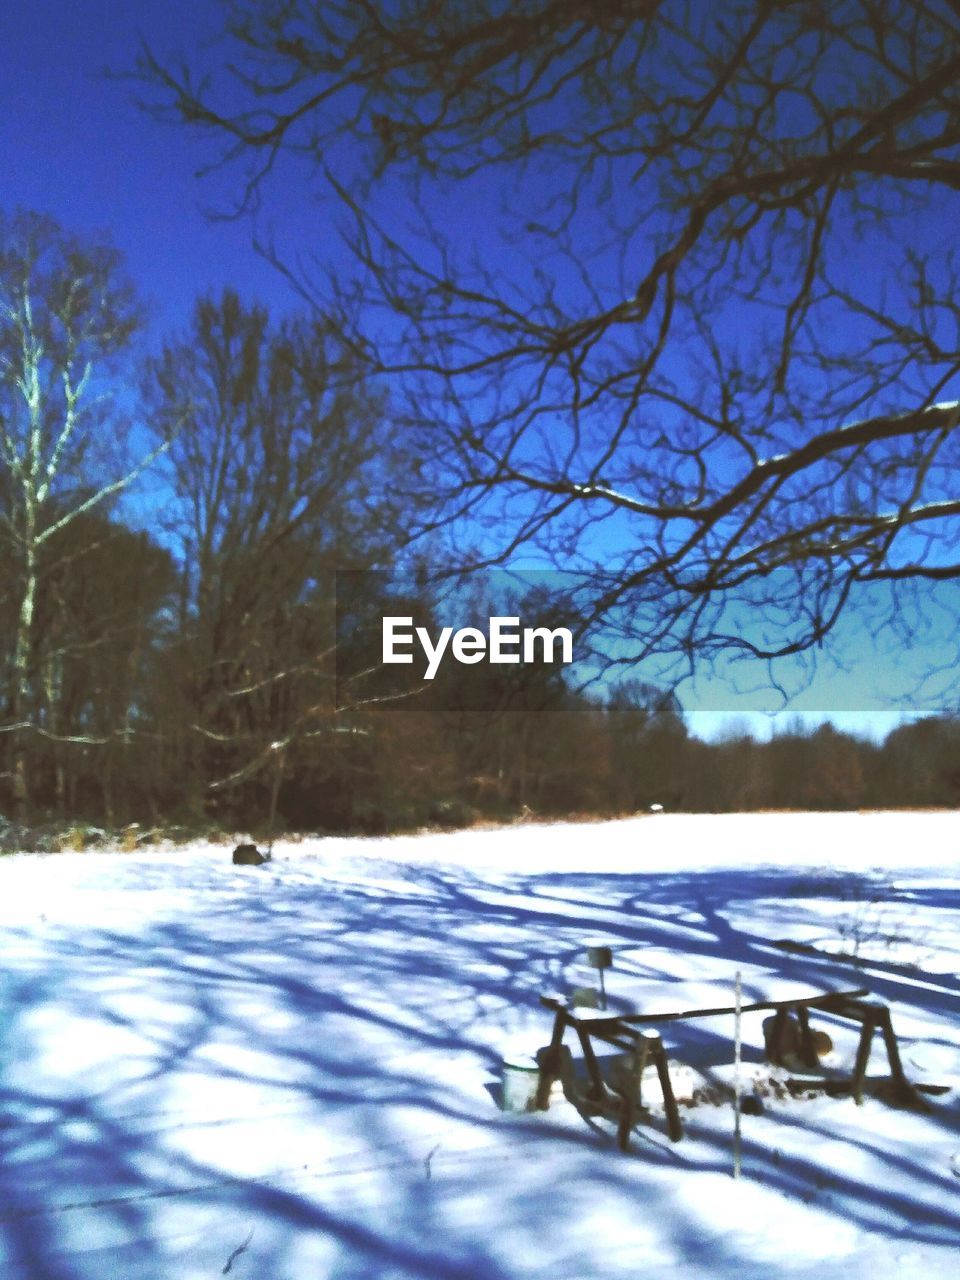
(22, 662)
(52, 699)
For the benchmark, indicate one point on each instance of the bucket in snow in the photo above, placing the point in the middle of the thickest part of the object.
(521, 1075)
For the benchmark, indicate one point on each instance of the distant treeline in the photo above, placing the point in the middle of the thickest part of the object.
(247, 700)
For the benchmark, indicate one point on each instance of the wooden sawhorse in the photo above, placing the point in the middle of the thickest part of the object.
(643, 1047)
(872, 1016)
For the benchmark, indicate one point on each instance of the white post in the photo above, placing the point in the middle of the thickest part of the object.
(736, 1077)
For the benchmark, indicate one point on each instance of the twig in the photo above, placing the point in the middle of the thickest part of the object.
(241, 1248)
(428, 1157)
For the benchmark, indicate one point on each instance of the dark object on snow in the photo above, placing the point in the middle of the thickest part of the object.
(600, 958)
(248, 855)
(751, 1105)
(789, 1040)
(624, 1031)
(643, 1047)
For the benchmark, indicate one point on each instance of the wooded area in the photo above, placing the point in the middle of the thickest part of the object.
(174, 650)
(654, 293)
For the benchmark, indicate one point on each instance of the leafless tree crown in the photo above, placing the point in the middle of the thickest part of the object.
(712, 331)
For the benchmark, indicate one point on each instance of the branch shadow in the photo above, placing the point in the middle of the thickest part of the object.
(308, 1058)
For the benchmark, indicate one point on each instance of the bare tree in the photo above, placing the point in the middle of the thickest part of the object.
(65, 314)
(102, 616)
(278, 475)
(709, 346)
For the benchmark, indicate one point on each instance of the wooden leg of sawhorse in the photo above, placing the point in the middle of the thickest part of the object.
(649, 1046)
(863, 1055)
(877, 1016)
(550, 1060)
(597, 1092)
(631, 1089)
(808, 1053)
(669, 1101)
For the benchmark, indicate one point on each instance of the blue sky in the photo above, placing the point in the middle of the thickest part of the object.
(76, 146)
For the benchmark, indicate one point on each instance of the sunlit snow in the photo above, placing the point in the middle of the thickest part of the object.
(291, 1072)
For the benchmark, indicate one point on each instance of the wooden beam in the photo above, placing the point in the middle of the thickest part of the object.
(596, 1019)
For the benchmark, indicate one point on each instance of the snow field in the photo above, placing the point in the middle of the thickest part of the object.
(292, 1071)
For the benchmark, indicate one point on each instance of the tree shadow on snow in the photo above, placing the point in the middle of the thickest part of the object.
(142, 1066)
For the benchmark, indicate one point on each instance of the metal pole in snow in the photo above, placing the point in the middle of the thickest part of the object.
(736, 1076)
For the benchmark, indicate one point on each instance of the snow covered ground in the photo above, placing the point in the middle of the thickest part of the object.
(291, 1072)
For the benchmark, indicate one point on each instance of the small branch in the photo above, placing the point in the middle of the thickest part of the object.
(241, 1248)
